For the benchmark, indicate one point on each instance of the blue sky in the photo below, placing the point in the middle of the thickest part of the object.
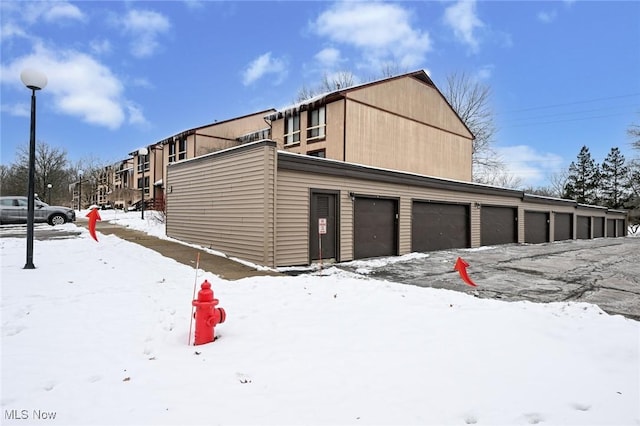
(122, 75)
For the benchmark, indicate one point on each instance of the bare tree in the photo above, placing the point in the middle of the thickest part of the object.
(329, 83)
(558, 181)
(391, 69)
(634, 132)
(51, 168)
(499, 177)
(470, 100)
(91, 168)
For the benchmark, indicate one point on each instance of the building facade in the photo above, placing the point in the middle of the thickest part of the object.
(280, 209)
(401, 123)
(121, 184)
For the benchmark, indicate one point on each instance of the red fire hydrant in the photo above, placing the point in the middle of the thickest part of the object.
(207, 315)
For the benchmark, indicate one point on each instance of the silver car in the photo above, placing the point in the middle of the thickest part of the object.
(13, 209)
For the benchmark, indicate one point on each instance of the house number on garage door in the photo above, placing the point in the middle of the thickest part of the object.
(322, 225)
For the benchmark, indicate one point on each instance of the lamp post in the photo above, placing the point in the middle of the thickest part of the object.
(142, 154)
(80, 190)
(34, 80)
(49, 186)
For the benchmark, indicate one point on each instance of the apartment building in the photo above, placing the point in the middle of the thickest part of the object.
(378, 169)
(122, 183)
(401, 123)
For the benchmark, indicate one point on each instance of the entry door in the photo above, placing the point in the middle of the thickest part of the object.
(323, 246)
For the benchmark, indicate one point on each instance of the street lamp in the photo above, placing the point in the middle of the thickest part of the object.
(34, 80)
(49, 186)
(142, 155)
(80, 190)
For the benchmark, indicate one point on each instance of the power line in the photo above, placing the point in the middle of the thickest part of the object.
(574, 103)
(556, 114)
(562, 121)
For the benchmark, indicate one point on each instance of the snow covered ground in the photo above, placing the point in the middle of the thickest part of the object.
(98, 334)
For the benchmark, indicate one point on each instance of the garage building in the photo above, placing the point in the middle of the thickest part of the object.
(276, 208)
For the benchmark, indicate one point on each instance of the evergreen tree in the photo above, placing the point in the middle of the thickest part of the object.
(583, 180)
(614, 183)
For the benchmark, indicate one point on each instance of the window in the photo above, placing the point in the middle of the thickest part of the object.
(143, 163)
(322, 153)
(291, 128)
(172, 152)
(182, 149)
(146, 184)
(316, 123)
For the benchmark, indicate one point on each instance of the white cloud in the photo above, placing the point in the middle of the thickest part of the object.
(382, 31)
(526, 163)
(484, 73)
(144, 26)
(194, 5)
(78, 85)
(11, 29)
(100, 47)
(263, 65)
(135, 115)
(50, 11)
(462, 19)
(18, 110)
(328, 57)
(18, 17)
(547, 17)
(62, 10)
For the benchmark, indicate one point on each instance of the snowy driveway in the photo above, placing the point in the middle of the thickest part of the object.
(605, 272)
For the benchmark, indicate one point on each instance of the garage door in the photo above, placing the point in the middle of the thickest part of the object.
(611, 227)
(536, 227)
(621, 230)
(498, 225)
(598, 227)
(439, 226)
(584, 227)
(562, 226)
(375, 227)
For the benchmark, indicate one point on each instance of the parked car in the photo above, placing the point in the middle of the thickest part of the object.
(13, 209)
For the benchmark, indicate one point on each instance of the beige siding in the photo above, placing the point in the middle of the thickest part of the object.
(333, 143)
(400, 124)
(225, 201)
(335, 130)
(242, 203)
(208, 139)
(292, 239)
(592, 212)
(293, 216)
(378, 138)
(414, 100)
(232, 129)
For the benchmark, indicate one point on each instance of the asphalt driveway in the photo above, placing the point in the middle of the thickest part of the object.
(604, 271)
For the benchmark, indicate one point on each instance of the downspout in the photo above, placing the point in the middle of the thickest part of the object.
(344, 130)
(274, 194)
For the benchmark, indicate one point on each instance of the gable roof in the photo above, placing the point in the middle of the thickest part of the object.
(338, 94)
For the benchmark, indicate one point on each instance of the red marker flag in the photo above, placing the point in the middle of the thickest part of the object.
(93, 216)
(461, 267)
